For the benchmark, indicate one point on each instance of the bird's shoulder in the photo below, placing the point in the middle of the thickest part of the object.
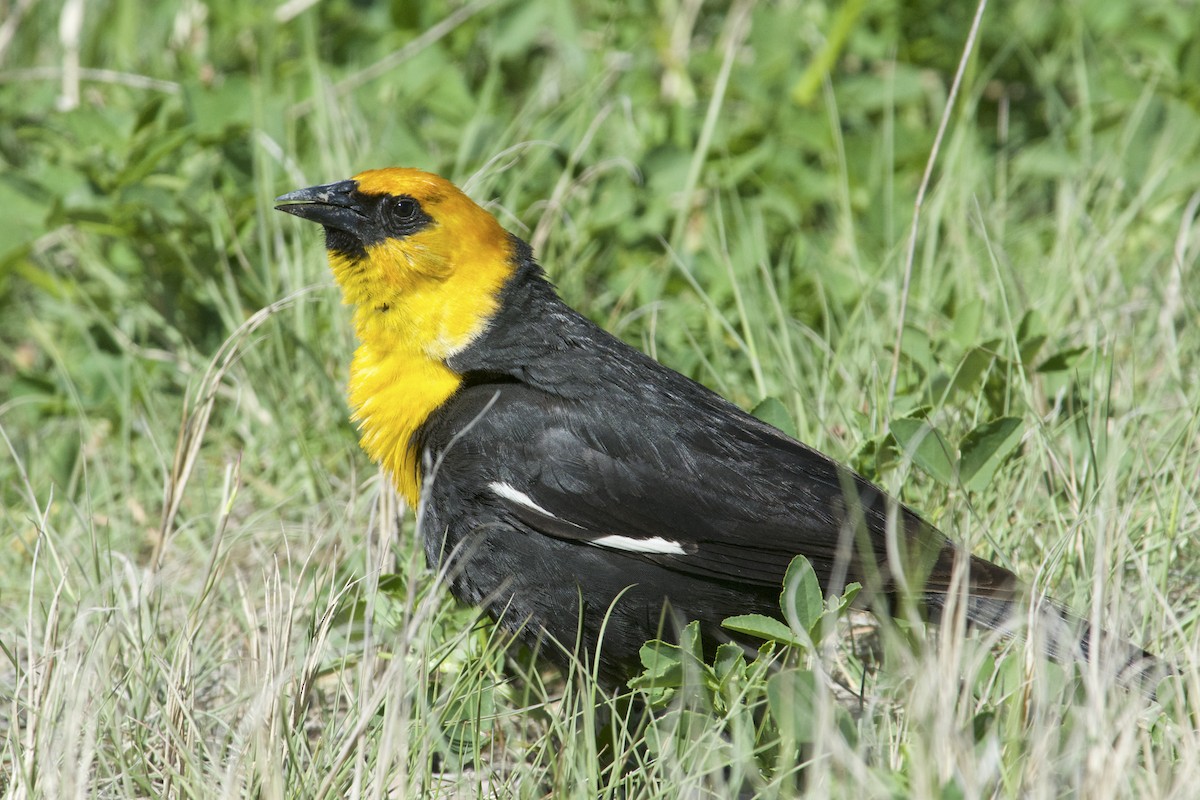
(570, 432)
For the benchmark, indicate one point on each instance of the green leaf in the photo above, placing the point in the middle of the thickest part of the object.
(761, 627)
(1046, 160)
(838, 605)
(729, 660)
(515, 33)
(393, 585)
(352, 613)
(664, 666)
(690, 643)
(928, 448)
(985, 448)
(916, 347)
(215, 109)
(1062, 360)
(146, 156)
(1031, 335)
(848, 594)
(973, 364)
(791, 696)
(25, 209)
(772, 411)
(467, 717)
(835, 607)
(658, 657)
(802, 600)
(967, 322)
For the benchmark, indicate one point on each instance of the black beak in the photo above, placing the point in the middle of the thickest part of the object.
(334, 205)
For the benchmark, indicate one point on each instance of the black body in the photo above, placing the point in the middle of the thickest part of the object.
(605, 441)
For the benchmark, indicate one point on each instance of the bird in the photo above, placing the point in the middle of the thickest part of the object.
(580, 492)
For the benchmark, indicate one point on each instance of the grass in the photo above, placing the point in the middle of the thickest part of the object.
(206, 590)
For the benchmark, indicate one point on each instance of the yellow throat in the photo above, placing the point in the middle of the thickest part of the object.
(418, 300)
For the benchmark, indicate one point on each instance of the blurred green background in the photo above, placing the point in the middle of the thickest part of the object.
(729, 186)
(140, 147)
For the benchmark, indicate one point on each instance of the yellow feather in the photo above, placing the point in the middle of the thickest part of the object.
(418, 300)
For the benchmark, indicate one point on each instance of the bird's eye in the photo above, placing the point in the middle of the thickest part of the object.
(404, 209)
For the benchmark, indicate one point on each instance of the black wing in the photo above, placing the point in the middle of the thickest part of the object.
(564, 442)
(694, 485)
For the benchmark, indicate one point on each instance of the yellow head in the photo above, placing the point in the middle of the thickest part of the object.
(411, 253)
(423, 266)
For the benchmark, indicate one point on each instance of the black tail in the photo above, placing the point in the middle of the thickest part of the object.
(1061, 635)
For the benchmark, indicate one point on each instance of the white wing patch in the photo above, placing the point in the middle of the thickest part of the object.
(630, 544)
(509, 492)
(655, 544)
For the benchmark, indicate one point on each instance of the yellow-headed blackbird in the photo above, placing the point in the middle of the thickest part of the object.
(555, 465)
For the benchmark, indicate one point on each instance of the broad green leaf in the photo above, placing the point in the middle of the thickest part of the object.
(1063, 359)
(664, 667)
(730, 660)
(973, 364)
(802, 600)
(834, 609)
(985, 448)
(468, 716)
(918, 350)
(928, 448)
(666, 663)
(393, 585)
(791, 696)
(1031, 335)
(968, 320)
(214, 109)
(772, 411)
(761, 627)
(848, 594)
(658, 656)
(690, 643)
(1046, 160)
(25, 210)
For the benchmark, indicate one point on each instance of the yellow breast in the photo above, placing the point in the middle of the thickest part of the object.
(392, 394)
(418, 300)
(399, 375)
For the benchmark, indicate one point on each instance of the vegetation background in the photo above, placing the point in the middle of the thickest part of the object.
(203, 587)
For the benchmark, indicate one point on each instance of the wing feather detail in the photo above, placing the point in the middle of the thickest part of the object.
(531, 513)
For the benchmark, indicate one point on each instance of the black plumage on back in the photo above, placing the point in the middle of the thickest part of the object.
(571, 467)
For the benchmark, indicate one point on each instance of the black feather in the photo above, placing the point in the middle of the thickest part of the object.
(607, 442)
